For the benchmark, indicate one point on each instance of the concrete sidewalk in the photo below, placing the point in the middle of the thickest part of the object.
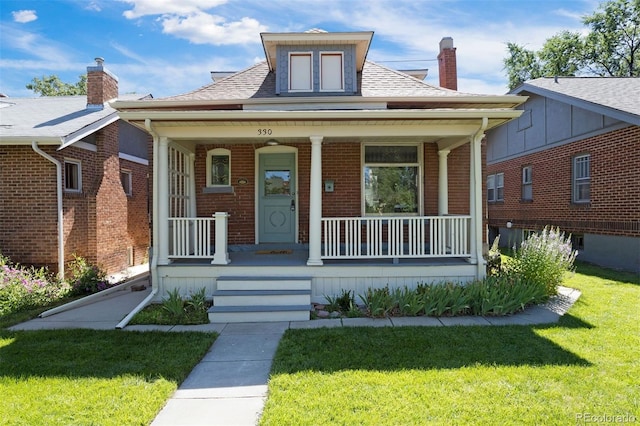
(229, 385)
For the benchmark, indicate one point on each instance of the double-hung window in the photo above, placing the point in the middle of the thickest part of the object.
(527, 183)
(582, 179)
(125, 178)
(331, 72)
(391, 179)
(300, 72)
(72, 175)
(495, 187)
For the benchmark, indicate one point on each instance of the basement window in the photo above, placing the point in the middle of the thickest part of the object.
(125, 178)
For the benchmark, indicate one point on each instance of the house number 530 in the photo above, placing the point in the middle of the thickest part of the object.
(265, 132)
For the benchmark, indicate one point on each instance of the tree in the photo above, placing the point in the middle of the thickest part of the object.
(52, 86)
(610, 48)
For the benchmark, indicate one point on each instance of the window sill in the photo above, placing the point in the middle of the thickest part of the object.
(218, 190)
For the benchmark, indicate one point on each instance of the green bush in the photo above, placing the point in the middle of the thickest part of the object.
(502, 295)
(23, 288)
(543, 259)
(86, 278)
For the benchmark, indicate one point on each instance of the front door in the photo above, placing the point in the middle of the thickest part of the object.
(277, 198)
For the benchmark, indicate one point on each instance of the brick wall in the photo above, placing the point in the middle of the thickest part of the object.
(341, 163)
(615, 194)
(28, 207)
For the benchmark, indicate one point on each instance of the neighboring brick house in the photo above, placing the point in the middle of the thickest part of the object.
(73, 179)
(316, 172)
(571, 160)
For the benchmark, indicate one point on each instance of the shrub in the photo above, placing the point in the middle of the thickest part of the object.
(378, 302)
(494, 259)
(86, 278)
(24, 288)
(543, 259)
(502, 295)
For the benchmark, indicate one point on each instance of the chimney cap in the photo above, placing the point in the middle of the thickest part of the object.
(446, 43)
(99, 61)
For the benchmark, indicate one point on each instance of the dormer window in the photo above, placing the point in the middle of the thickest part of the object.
(331, 72)
(300, 72)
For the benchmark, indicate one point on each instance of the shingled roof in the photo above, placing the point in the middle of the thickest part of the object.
(376, 81)
(619, 94)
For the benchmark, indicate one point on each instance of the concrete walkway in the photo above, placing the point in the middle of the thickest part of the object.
(229, 385)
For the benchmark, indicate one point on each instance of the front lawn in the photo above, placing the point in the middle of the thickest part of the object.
(583, 369)
(88, 377)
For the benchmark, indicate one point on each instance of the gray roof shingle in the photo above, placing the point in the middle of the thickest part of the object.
(376, 81)
(48, 116)
(617, 93)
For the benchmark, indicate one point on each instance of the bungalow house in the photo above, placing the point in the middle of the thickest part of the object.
(314, 172)
(73, 180)
(571, 160)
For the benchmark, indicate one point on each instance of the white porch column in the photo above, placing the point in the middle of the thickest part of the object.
(192, 186)
(475, 201)
(315, 203)
(161, 223)
(443, 183)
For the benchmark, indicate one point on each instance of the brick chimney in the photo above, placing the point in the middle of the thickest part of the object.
(102, 86)
(447, 68)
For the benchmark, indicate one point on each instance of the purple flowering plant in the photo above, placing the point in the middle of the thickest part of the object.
(27, 287)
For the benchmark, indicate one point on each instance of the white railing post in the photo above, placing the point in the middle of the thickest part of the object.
(221, 254)
(315, 203)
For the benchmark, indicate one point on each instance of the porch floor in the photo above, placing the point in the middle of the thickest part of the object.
(298, 254)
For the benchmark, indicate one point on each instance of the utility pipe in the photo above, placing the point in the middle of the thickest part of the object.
(40, 152)
(154, 281)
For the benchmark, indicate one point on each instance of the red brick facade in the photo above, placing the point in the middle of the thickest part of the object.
(615, 194)
(341, 163)
(101, 223)
(447, 65)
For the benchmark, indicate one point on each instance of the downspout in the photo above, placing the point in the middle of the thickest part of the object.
(477, 214)
(155, 286)
(40, 152)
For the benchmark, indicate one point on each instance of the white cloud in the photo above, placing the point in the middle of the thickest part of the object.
(24, 16)
(34, 44)
(168, 7)
(203, 28)
(187, 19)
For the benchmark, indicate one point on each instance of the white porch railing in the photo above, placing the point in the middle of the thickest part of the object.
(396, 237)
(191, 238)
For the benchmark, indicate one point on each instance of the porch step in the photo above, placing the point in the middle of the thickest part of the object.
(261, 299)
(264, 283)
(268, 313)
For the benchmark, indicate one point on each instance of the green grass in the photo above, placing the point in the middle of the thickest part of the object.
(587, 363)
(88, 377)
(156, 314)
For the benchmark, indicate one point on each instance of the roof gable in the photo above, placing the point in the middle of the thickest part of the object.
(616, 97)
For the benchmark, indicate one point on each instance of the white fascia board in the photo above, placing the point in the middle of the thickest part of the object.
(133, 158)
(514, 100)
(87, 130)
(318, 106)
(321, 115)
(27, 140)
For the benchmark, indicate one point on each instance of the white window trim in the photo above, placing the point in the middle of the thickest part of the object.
(129, 174)
(499, 178)
(419, 164)
(527, 181)
(310, 55)
(78, 163)
(576, 180)
(341, 54)
(491, 185)
(210, 154)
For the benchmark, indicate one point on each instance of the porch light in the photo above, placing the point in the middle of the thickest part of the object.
(272, 142)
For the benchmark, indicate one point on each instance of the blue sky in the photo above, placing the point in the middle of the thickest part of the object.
(167, 47)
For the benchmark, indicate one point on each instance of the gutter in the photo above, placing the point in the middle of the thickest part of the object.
(36, 149)
(155, 286)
